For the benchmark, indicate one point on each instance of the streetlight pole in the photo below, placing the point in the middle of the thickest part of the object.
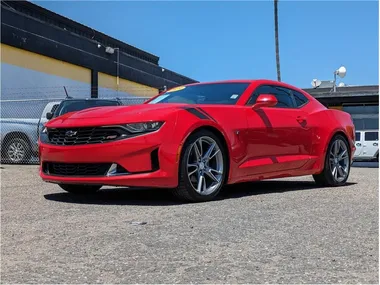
(341, 72)
(111, 50)
(334, 90)
(117, 68)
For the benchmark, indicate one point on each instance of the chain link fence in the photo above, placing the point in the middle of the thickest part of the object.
(23, 114)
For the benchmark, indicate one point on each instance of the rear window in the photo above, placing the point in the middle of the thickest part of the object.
(357, 137)
(55, 106)
(371, 136)
(79, 105)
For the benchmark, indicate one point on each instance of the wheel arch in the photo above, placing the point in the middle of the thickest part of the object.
(15, 134)
(344, 135)
(217, 132)
(328, 141)
(12, 135)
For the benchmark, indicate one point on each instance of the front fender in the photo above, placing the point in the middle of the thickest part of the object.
(232, 131)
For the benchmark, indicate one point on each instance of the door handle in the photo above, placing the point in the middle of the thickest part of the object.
(375, 144)
(358, 144)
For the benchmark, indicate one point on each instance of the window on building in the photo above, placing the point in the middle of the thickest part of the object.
(359, 124)
(371, 123)
(371, 109)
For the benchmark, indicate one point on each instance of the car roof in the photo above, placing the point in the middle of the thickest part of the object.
(91, 99)
(259, 81)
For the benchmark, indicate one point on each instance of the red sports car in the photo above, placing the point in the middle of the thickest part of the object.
(196, 138)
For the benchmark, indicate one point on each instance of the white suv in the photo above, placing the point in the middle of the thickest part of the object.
(367, 145)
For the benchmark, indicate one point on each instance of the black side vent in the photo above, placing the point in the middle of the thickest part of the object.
(154, 160)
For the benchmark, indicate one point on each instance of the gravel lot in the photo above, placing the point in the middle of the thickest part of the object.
(283, 231)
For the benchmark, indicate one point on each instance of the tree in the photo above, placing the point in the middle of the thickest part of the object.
(276, 39)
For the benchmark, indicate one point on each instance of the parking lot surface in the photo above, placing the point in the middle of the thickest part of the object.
(282, 231)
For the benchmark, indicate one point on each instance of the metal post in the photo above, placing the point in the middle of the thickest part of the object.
(334, 81)
(117, 71)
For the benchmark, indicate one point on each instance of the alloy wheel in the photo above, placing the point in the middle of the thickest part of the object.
(205, 165)
(16, 152)
(339, 160)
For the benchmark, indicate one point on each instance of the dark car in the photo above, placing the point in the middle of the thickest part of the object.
(73, 105)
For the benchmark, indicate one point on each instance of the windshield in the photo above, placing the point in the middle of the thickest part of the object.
(215, 93)
(78, 105)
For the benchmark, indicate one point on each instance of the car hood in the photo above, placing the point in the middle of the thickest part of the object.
(114, 115)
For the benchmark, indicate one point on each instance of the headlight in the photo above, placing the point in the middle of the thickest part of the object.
(144, 127)
(44, 136)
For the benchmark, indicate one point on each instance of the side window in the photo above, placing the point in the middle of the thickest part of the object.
(371, 136)
(283, 96)
(299, 98)
(357, 136)
(55, 106)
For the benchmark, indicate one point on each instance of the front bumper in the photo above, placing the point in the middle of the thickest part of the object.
(148, 161)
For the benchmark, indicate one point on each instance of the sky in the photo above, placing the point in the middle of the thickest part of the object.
(219, 40)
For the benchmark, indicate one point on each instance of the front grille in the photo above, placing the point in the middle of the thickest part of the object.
(88, 135)
(76, 169)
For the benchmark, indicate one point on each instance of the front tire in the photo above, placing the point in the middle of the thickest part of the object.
(202, 169)
(80, 189)
(17, 150)
(337, 164)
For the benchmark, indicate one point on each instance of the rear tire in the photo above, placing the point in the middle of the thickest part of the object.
(80, 189)
(337, 163)
(204, 158)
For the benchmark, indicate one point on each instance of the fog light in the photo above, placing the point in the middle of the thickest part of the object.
(113, 170)
(116, 169)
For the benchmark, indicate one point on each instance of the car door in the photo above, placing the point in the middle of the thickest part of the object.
(370, 143)
(279, 137)
(358, 144)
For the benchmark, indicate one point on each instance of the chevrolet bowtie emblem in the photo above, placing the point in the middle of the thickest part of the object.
(70, 133)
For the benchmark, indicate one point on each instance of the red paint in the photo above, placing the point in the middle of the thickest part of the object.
(265, 142)
(265, 100)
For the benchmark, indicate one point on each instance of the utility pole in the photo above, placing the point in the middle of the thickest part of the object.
(276, 40)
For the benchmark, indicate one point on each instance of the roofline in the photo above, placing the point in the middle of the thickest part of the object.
(97, 36)
(44, 31)
(90, 98)
(221, 81)
(349, 91)
(264, 81)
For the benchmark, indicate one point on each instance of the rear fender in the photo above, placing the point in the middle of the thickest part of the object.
(338, 122)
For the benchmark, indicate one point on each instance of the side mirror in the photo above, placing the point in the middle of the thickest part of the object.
(49, 115)
(265, 100)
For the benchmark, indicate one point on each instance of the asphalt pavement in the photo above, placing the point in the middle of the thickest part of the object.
(281, 231)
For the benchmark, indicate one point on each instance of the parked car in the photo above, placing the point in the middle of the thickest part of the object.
(196, 138)
(367, 145)
(19, 137)
(73, 105)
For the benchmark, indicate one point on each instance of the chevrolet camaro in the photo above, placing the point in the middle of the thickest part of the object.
(196, 138)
